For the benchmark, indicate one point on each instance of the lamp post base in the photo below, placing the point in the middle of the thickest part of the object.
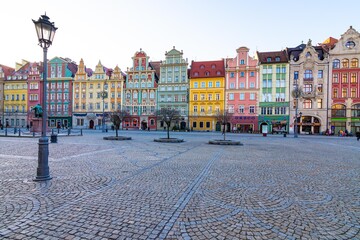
(43, 172)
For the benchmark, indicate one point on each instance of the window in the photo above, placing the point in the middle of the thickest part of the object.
(194, 124)
(252, 96)
(308, 74)
(269, 111)
(202, 97)
(232, 85)
(307, 104)
(217, 96)
(307, 88)
(336, 63)
(345, 63)
(202, 84)
(266, 97)
(217, 84)
(207, 73)
(241, 109)
(350, 44)
(242, 74)
(252, 109)
(242, 85)
(320, 74)
(242, 62)
(242, 96)
(195, 85)
(252, 84)
(202, 109)
(210, 97)
(277, 59)
(344, 93)
(320, 88)
(353, 92)
(319, 103)
(210, 84)
(268, 59)
(354, 63)
(201, 124)
(335, 78)
(344, 78)
(353, 78)
(195, 97)
(252, 74)
(231, 109)
(232, 74)
(195, 109)
(335, 93)
(231, 96)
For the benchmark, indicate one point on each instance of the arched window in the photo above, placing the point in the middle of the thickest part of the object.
(355, 110)
(354, 63)
(144, 94)
(307, 104)
(345, 63)
(338, 110)
(135, 94)
(207, 73)
(336, 63)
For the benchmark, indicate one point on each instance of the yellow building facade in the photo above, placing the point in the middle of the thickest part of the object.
(206, 95)
(96, 95)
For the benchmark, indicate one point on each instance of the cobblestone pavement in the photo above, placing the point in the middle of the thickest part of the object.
(270, 188)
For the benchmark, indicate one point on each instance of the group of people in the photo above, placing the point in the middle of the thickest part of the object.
(345, 133)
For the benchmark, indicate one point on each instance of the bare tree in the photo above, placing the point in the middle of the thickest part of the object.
(168, 116)
(117, 118)
(224, 117)
(296, 94)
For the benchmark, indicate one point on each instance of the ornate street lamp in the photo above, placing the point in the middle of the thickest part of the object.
(45, 31)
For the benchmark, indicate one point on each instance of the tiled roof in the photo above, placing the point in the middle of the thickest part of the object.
(7, 70)
(207, 69)
(273, 56)
(296, 51)
(155, 65)
(89, 72)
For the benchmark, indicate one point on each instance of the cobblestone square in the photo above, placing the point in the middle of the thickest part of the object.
(272, 187)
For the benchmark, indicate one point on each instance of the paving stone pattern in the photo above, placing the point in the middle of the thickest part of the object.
(269, 188)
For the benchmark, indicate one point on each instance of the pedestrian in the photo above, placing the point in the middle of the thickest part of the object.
(27, 127)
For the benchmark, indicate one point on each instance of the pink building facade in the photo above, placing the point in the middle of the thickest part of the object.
(242, 87)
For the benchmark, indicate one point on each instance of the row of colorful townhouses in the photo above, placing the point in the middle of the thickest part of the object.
(259, 92)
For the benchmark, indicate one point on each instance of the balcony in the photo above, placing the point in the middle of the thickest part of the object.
(308, 79)
(311, 94)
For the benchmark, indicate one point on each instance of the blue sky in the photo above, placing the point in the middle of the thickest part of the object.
(113, 30)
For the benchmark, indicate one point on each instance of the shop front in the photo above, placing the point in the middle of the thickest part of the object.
(244, 124)
(338, 124)
(273, 124)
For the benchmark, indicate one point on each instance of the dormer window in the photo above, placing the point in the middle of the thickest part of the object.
(218, 73)
(308, 55)
(207, 73)
(268, 59)
(202, 67)
(213, 66)
(277, 59)
(196, 74)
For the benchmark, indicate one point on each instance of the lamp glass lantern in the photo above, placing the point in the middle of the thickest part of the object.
(45, 31)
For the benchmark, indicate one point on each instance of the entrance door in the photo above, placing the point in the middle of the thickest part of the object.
(183, 125)
(218, 126)
(143, 125)
(91, 124)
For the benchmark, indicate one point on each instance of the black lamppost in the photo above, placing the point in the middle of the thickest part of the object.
(45, 31)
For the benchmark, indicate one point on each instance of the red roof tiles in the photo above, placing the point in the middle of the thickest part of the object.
(207, 69)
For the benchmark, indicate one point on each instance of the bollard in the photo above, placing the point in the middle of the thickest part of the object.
(53, 138)
(5, 132)
(81, 132)
(69, 131)
(284, 134)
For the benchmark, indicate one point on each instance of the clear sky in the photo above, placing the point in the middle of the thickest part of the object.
(113, 30)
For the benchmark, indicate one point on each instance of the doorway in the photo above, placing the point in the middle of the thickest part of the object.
(144, 125)
(91, 124)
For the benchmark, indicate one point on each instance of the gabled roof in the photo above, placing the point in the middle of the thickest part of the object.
(207, 69)
(7, 70)
(155, 65)
(273, 56)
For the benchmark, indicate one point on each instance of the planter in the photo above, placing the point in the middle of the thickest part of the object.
(119, 138)
(225, 142)
(169, 140)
